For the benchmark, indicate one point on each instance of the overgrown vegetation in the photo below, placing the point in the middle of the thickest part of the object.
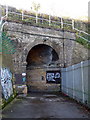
(83, 42)
(5, 102)
(54, 23)
(7, 48)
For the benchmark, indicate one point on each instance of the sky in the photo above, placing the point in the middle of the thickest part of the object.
(62, 8)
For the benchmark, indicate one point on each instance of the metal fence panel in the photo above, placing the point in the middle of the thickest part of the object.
(85, 78)
(70, 81)
(75, 82)
(63, 82)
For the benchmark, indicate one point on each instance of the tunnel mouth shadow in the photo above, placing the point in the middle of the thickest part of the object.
(39, 60)
(41, 55)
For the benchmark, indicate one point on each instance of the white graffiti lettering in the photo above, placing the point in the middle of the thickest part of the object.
(6, 83)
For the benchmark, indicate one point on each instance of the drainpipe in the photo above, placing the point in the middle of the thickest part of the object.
(2, 24)
(1, 29)
(63, 50)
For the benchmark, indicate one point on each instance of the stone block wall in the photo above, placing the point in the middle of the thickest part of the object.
(36, 80)
(25, 37)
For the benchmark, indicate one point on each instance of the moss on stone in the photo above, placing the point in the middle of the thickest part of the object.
(83, 42)
(6, 102)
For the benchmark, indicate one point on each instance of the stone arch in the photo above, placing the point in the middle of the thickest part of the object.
(36, 75)
(57, 46)
(41, 54)
(31, 45)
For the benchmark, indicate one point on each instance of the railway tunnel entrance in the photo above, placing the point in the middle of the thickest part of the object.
(42, 71)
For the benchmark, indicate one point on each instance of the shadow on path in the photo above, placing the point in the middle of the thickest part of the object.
(44, 106)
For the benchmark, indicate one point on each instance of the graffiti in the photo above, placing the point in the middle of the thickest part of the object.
(6, 83)
(53, 76)
(23, 79)
(57, 75)
(50, 76)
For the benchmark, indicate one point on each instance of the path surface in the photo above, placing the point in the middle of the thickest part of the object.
(45, 106)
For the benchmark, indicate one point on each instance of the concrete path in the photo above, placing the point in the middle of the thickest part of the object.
(44, 106)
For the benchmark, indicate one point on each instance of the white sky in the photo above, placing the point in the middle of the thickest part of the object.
(68, 8)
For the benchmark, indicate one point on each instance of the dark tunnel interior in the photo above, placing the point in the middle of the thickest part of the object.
(41, 55)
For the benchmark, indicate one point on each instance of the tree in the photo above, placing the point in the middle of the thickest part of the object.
(36, 7)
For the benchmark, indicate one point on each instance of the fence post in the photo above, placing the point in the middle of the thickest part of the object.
(61, 23)
(42, 19)
(0, 13)
(6, 11)
(67, 81)
(62, 77)
(49, 20)
(73, 82)
(22, 15)
(36, 17)
(73, 24)
(82, 81)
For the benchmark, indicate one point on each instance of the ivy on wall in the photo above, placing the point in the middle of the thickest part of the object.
(7, 46)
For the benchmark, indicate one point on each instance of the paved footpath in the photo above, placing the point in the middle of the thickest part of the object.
(45, 106)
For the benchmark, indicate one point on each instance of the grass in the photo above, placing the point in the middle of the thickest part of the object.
(4, 102)
(83, 42)
(56, 25)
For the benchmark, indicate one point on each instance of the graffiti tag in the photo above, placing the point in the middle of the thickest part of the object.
(6, 83)
(53, 76)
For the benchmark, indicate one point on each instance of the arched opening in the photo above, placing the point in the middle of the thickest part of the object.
(41, 55)
(40, 59)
